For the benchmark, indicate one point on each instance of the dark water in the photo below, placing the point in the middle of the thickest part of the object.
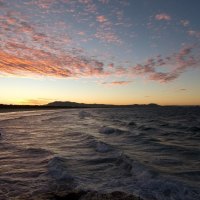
(150, 152)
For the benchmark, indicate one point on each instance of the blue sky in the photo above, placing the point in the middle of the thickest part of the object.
(100, 51)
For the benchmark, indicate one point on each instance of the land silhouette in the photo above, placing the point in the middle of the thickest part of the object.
(66, 105)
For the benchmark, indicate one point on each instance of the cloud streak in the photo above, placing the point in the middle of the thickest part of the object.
(117, 83)
(65, 65)
(53, 48)
(163, 16)
(101, 19)
(26, 51)
(194, 33)
(38, 101)
(179, 62)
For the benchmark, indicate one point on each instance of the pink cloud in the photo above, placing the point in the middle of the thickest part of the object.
(194, 33)
(163, 77)
(28, 48)
(101, 18)
(25, 51)
(44, 55)
(163, 16)
(81, 33)
(85, 1)
(180, 62)
(42, 4)
(185, 22)
(41, 63)
(107, 36)
(111, 66)
(88, 14)
(104, 1)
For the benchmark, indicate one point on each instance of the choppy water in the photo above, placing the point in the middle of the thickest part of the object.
(151, 152)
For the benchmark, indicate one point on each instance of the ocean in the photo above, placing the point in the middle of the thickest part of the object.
(151, 152)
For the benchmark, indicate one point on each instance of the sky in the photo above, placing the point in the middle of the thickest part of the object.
(100, 51)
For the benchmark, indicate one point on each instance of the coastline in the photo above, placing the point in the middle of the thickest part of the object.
(6, 110)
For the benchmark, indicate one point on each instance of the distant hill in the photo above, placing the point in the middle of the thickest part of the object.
(75, 104)
(69, 104)
(83, 105)
(65, 103)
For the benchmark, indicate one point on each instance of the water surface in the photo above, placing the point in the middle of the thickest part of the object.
(150, 152)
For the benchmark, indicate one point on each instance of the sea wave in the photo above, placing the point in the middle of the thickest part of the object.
(153, 153)
(109, 130)
(57, 168)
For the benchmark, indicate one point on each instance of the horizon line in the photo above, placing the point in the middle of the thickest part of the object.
(103, 104)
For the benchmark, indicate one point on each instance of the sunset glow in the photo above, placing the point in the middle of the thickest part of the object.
(100, 51)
